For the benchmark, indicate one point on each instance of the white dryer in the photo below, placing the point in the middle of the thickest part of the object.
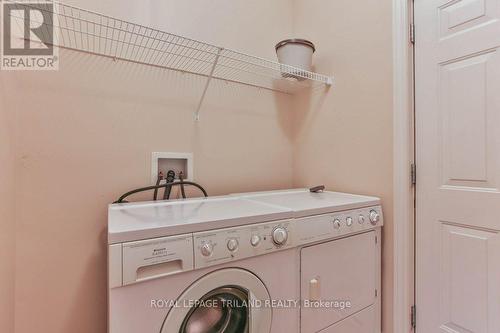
(246, 264)
(343, 265)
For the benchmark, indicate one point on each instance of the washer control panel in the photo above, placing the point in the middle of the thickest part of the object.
(320, 227)
(225, 245)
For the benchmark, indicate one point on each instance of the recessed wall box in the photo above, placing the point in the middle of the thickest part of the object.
(179, 162)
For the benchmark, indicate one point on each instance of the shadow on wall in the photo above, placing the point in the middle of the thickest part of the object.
(285, 111)
(94, 273)
(308, 104)
(149, 85)
(306, 100)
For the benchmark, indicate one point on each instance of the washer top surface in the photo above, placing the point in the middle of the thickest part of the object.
(304, 203)
(138, 221)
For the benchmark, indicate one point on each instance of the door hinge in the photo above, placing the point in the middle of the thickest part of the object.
(414, 316)
(412, 33)
(413, 173)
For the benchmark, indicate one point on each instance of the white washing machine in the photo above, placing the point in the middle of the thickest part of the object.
(239, 264)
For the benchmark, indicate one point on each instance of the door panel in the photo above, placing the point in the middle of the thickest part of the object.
(459, 16)
(466, 259)
(469, 148)
(362, 322)
(457, 60)
(340, 270)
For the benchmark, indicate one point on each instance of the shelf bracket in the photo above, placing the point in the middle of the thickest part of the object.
(207, 84)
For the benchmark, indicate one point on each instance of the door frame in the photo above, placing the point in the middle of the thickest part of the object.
(403, 158)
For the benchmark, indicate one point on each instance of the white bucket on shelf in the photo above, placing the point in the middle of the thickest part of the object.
(296, 53)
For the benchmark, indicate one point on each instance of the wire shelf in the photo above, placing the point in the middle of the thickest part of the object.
(90, 32)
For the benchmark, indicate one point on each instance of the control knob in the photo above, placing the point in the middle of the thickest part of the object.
(280, 236)
(336, 224)
(232, 244)
(374, 217)
(255, 240)
(348, 221)
(207, 249)
(361, 219)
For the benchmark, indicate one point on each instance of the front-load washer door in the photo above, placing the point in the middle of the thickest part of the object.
(225, 301)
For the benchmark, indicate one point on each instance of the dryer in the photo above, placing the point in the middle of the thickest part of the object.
(343, 266)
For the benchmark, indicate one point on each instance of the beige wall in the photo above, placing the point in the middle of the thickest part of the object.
(7, 225)
(85, 134)
(343, 139)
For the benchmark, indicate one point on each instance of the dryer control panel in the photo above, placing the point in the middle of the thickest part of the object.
(322, 227)
(225, 245)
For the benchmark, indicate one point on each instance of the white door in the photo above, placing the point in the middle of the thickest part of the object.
(458, 162)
